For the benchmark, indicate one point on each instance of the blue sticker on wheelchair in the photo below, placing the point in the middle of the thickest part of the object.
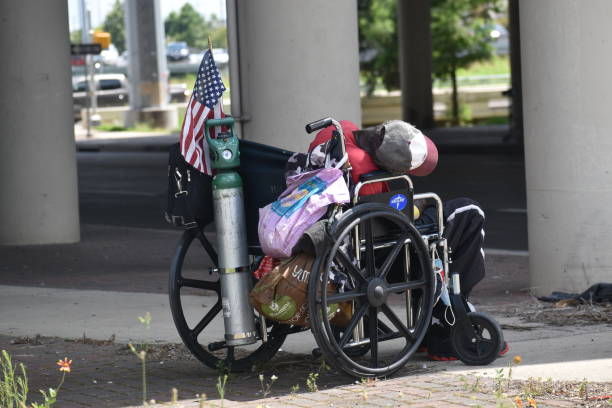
(398, 202)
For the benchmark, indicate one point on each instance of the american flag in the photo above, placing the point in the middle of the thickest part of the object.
(205, 103)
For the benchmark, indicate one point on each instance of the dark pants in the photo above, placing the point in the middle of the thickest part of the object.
(464, 232)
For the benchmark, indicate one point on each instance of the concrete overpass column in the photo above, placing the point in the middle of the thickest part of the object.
(414, 31)
(299, 62)
(147, 68)
(567, 95)
(38, 179)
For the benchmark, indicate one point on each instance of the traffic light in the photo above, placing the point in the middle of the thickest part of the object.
(102, 38)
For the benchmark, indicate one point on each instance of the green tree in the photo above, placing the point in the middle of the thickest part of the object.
(460, 31)
(218, 32)
(190, 26)
(378, 43)
(75, 36)
(460, 36)
(114, 23)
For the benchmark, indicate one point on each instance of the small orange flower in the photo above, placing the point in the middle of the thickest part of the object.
(517, 359)
(518, 401)
(64, 364)
(532, 403)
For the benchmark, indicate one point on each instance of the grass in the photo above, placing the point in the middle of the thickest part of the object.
(497, 65)
(139, 127)
(187, 79)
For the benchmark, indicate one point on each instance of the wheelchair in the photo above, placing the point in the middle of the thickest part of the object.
(387, 263)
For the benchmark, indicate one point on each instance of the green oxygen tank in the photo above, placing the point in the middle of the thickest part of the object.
(228, 199)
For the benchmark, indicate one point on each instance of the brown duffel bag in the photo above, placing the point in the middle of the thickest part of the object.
(282, 294)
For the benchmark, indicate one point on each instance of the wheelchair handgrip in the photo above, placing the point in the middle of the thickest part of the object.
(318, 124)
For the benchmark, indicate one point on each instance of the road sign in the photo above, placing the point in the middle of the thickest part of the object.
(84, 49)
(102, 38)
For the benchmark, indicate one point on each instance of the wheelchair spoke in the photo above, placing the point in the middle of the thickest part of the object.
(369, 249)
(200, 284)
(386, 266)
(373, 333)
(208, 247)
(206, 319)
(384, 328)
(401, 287)
(349, 267)
(348, 331)
(343, 297)
(397, 322)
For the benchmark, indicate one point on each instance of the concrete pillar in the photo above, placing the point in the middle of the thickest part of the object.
(299, 62)
(567, 58)
(516, 123)
(39, 200)
(147, 67)
(414, 31)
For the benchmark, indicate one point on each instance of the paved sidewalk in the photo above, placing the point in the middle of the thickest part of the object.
(99, 286)
(107, 375)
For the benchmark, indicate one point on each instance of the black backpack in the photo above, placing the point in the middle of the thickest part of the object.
(190, 202)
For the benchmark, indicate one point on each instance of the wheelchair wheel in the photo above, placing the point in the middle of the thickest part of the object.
(195, 303)
(391, 313)
(480, 347)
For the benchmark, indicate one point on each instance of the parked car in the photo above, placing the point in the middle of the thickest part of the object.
(177, 51)
(112, 90)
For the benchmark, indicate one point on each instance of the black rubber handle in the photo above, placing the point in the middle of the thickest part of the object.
(318, 124)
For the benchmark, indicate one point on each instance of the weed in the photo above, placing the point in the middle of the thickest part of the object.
(142, 354)
(266, 388)
(201, 399)
(464, 381)
(518, 402)
(13, 387)
(295, 388)
(499, 382)
(221, 382)
(583, 389)
(323, 366)
(311, 382)
(364, 391)
(476, 385)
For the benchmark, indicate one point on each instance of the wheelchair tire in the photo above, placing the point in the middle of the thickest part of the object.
(484, 347)
(373, 295)
(195, 336)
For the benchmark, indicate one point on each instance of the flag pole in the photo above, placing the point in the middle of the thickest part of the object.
(209, 44)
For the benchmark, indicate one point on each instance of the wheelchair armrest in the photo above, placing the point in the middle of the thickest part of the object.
(374, 175)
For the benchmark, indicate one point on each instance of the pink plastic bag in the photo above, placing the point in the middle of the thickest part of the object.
(304, 202)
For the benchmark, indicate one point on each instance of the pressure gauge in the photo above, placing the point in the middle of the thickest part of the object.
(227, 154)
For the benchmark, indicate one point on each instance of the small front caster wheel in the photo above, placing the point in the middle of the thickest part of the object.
(483, 345)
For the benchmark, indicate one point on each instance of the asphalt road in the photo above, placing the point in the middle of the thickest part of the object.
(129, 189)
